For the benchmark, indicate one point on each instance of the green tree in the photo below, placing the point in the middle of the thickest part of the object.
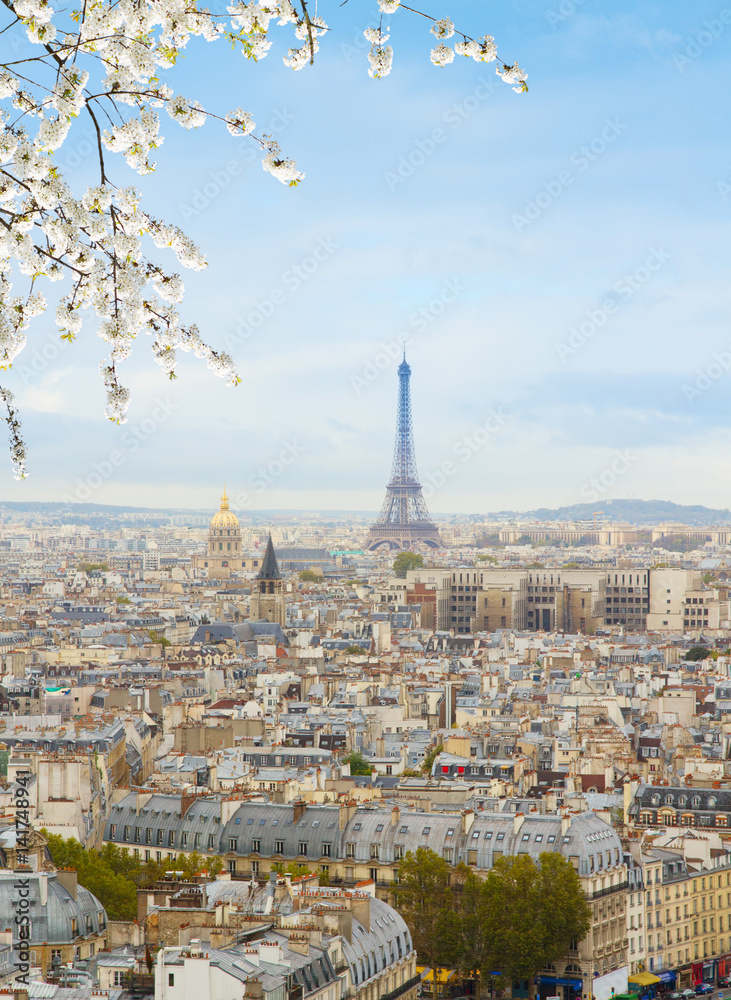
(309, 576)
(158, 639)
(489, 559)
(696, 653)
(114, 875)
(292, 868)
(424, 899)
(465, 925)
(354, 650)
(405, 561)
(358, 763)
(531, 914)
(431, 756)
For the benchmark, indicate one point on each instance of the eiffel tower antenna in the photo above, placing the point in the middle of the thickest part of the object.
(404, 520)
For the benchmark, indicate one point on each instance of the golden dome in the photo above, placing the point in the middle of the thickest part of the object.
(224, 518)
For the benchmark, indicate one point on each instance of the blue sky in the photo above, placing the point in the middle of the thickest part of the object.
(558, 262)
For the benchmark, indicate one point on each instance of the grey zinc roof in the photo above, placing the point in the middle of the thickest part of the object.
(52, 922)
(363, 831)
(269, 822)
(49, 991)
(369, 952)
(163, 812)
(586, 837)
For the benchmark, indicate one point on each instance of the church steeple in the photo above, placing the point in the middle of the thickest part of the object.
(267, 602)
(269, 568)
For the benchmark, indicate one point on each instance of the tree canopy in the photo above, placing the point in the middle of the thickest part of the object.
(430, 757)
(532, 912)
(114, 875)
(405, 561)
(358, 763)
(522, 916)
(423, 898)
(696, 653)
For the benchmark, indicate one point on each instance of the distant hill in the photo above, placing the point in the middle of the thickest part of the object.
(646, 512)
(635, 512)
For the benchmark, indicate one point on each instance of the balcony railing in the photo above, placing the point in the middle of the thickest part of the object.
(612, 888)
(403, 988)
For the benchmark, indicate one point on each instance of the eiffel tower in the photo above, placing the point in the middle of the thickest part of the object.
(404, 521)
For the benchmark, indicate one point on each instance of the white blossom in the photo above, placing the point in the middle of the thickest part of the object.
(97, 199)
(189, 114)
(52, 133)
(8, 84)
(487, 50)
(380, 60)
(275, 164)
(514, 75)
(443, 28)
(442, 55)
(240, 122)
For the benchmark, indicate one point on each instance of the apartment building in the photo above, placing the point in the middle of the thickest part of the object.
(351, 844)
(304, 943)
(581, 600)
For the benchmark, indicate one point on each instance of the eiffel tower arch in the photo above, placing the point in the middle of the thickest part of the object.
(404, 521)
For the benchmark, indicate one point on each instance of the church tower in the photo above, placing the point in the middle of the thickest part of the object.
(267, 603)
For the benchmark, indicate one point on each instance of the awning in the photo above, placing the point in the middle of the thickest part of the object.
(443, 975)
(644, 979)
(668, 977)
(556, 981)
